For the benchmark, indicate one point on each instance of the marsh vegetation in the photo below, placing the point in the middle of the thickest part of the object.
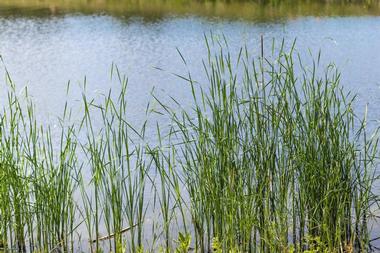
(270, 157)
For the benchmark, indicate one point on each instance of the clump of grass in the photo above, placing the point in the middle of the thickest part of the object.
(272, 154)
(37, 186)
(270, 158)
(119, 171)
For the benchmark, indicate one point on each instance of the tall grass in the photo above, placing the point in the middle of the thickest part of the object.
(273, 157)
(269, 158)
(37, 186)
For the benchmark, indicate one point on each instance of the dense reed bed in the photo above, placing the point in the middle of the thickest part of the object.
(269, 158)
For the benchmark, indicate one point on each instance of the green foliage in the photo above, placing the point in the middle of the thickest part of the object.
(184, 241)
(216, 245)
(270, 158)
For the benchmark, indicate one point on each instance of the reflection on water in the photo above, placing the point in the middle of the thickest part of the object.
(152, 9)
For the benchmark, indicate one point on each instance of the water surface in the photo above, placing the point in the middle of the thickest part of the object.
(44, 44)
(44, 53)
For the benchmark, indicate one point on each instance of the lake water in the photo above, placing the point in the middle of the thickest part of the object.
(44, 46)
(44, 51)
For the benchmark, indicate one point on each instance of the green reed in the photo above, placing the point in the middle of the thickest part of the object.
(118, 172)
(270, 157)
(36, 178)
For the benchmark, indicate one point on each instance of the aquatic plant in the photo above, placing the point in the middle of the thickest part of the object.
(269, 158)
(272, 154)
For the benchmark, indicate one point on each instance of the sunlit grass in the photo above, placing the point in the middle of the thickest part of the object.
(269, 158)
